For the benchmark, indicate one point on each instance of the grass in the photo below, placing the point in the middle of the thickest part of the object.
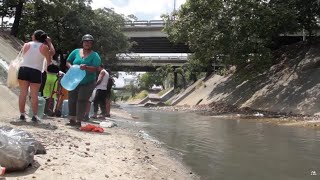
(140, 95)
(163, 92)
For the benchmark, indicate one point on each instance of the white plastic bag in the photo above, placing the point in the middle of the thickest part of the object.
(12, 79)
(93, 95)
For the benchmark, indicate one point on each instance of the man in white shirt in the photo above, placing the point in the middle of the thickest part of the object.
(101, 93)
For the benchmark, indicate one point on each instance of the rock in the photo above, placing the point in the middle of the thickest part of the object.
(190, 173)
(138, 149)
(88, 144)
(147, 157)
(33, 177)
(153, 155)
(88, 149)
(106, 176)
(48, 160)
(144, 143)
(76, 146)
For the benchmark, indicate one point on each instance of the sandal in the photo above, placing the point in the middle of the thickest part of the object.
(77, 125)
(71, 123)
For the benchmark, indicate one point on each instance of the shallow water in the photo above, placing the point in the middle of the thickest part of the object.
(223, 149)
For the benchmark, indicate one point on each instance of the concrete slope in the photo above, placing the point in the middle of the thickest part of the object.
(292, 85)
(9, 103)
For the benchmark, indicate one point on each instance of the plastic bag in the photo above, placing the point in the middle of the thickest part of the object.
(12, 80)
(92, 128)
(17, 149)
(93, 95)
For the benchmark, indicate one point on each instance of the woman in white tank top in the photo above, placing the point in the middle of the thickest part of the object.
(29, 75)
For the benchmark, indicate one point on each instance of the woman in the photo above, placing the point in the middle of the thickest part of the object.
(35, 53)
(90, 62)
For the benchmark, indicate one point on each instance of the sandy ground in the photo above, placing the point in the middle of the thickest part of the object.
(118, 153)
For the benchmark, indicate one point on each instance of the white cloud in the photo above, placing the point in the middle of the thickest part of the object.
(141, 8)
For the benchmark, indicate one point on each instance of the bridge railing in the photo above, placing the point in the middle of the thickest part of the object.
(183, 58)
(140, 23)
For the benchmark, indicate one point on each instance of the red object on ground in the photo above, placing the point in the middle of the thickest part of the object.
(92, 128)
(2, 171)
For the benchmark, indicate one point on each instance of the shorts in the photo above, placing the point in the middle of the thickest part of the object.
(29, 74)
(108, 94)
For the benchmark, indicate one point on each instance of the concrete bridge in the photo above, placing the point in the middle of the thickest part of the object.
(150, 38)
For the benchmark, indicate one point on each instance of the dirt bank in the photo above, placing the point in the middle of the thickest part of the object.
(118, 153)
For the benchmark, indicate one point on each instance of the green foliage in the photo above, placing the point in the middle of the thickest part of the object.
(66, 21)
(238, 32)
(163, 92)
(140, 95)
(147, 80)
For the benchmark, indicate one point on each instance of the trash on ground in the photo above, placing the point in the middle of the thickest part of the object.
(108, 124)
(17, 149)
(92, 128)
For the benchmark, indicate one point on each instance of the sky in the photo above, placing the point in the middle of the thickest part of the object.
(143, 9)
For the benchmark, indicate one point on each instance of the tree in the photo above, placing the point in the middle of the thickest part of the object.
(66, 21)
(147, 80)
(6, 9)
(240, 31)
(17, 17)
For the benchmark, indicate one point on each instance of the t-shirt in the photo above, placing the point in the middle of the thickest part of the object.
(92, 60)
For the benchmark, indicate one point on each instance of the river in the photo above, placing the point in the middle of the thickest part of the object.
(229, 149)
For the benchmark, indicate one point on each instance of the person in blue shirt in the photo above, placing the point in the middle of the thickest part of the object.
(89, 61)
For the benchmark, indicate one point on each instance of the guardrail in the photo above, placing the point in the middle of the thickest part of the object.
(184, 58)
(158, 23)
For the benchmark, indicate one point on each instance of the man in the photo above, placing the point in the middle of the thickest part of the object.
(108, 99)
(101, 93)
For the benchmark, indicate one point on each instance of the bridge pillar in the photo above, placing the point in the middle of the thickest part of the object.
(175, 80)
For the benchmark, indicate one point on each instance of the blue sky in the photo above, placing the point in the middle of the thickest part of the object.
(143, 9)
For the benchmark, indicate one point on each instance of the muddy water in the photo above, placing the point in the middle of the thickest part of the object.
(222, 149)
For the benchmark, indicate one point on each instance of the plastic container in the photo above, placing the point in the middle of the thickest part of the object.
(65, 109)
(41, 107)
(2, 170)
(91, 112)
(72, 78)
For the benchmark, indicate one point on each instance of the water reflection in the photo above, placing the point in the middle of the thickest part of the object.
(230, 149)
